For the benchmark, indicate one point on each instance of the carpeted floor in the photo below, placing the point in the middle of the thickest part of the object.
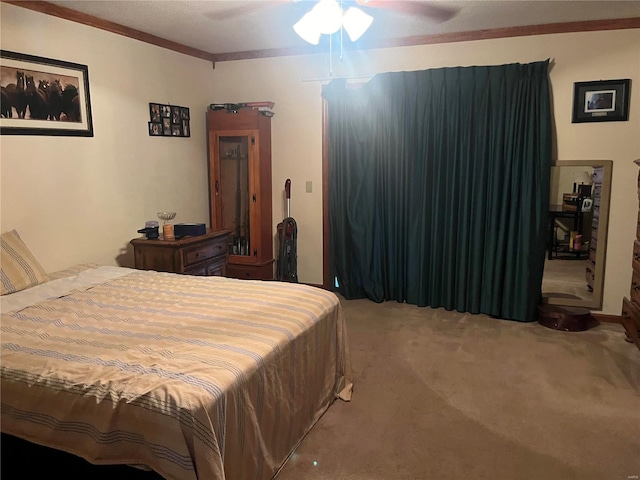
(563, 277)
(445, 395)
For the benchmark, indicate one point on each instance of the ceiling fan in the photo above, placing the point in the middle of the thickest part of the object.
(359, 21)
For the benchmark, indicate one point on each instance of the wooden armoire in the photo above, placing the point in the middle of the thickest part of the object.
(239, 152)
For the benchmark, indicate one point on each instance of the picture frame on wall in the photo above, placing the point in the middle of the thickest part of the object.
(601, 101)
(155, 129)
(44, 96)
(175, 114)
(154, 112)
(168, 120)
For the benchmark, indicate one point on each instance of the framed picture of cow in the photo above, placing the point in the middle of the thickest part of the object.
(43, 96)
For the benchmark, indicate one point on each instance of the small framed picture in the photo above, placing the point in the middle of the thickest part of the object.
(155, 129)
(601, 101)
(166, 111)
(184, 113)
(154, 112)
(185, 128)
(175, 115)
(176, 130)
(166, 126)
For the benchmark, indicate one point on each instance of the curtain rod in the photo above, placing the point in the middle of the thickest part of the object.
(369, 76)
(328, 79)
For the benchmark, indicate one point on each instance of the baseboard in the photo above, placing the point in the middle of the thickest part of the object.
(602, 317)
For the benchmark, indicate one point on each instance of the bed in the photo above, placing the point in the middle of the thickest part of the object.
(191, 377)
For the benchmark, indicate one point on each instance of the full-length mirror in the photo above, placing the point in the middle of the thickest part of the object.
(577, 233)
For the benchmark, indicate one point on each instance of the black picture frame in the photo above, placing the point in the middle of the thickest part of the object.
(166, 126)
(44, 96)
(601, 101)
(172, 120)
(175, 115)
(155, 129)
(155, 112)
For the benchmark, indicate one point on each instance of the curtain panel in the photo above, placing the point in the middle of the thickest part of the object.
(439, 187)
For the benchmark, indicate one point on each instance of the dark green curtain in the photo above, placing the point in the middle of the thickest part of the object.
(439, 187)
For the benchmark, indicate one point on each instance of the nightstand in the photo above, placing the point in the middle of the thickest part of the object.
(199, 255)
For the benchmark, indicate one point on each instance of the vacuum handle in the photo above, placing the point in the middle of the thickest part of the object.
(287, 188)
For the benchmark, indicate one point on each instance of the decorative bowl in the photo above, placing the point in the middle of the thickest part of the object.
(166, 216)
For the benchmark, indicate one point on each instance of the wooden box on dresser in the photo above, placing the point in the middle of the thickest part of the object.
(631, 305)
(239, 150)
(198, 255)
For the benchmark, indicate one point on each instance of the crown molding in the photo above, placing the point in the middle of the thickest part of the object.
(530, 30)
(92, 21)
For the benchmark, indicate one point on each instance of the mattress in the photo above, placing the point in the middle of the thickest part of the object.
(193, 377)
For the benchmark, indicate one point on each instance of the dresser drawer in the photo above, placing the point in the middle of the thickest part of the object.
(204, 251)
(250, 272)
(631, 320)
(635, 288)
(636, 256)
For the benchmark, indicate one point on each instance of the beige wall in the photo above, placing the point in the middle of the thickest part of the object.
(295, 85)
(77, 199)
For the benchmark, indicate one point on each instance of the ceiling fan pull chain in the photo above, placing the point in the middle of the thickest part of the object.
(341, 51)
(331, 55)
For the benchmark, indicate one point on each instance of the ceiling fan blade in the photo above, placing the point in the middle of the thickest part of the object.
(430, 10)
(244, 8)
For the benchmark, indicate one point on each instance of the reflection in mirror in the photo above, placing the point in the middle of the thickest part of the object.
(577, 233)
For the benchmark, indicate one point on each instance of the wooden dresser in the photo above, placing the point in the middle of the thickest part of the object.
(631, 305)
(199, 255)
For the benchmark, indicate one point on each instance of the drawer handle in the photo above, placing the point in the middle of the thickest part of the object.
(197, 254)
(636, 256)
(635, 286)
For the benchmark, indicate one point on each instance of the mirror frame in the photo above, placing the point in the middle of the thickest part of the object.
(603, 233)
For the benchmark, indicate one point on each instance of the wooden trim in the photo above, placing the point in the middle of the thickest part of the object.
(530, 30)
(508, 32)
(85, 19)
(605, 318)
(326, 267)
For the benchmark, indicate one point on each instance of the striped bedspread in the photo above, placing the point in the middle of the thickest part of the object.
(194, 377)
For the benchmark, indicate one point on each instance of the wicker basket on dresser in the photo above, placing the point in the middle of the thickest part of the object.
(631, 305)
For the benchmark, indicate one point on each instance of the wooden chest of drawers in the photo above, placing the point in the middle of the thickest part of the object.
(200, 255)
(631, 305)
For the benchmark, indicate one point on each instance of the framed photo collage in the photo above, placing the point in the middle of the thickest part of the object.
(168, 121)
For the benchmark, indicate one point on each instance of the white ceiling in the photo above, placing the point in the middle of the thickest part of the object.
(267, 24)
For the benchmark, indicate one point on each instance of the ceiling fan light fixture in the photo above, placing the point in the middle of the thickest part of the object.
(328, 15)
(356, 22)
(307, 28)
